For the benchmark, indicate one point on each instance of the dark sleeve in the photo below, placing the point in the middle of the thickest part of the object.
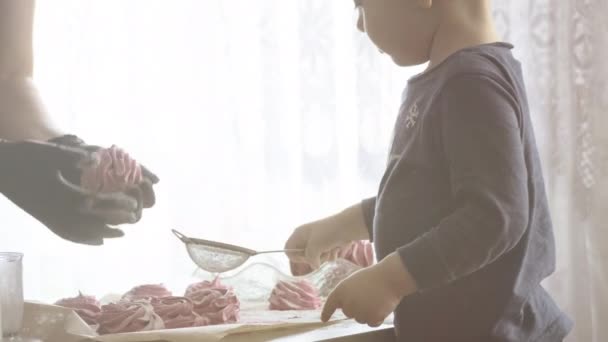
(369, 211)
(483, 150)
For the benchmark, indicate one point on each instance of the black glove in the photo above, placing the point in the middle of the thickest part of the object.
(149, 179)
(31, 177)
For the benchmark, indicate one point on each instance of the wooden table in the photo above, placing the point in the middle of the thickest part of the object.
(346, 331)
(339, 331)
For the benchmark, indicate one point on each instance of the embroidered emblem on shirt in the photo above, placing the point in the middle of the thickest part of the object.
(412, 117)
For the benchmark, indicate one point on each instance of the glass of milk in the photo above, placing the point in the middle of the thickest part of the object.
(11, 294)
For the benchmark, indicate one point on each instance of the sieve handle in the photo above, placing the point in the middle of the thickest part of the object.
(282, 251)
(181, 236)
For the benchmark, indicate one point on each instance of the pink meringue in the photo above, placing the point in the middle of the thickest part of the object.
(360, 253)
(126, 316)
(113, 170)
(214, 302)
(299, 268)
(147, 292)
(294, 295)
(87, 307)
(177, 312)
(205, 285)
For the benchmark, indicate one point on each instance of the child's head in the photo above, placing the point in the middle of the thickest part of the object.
(407, 30)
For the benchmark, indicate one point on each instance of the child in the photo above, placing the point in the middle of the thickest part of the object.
(460, 223)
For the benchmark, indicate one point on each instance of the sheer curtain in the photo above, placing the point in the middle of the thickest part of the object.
(564, 49)
(261, 115)
(257, 115)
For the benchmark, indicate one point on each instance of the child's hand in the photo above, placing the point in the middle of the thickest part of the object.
(321, 240)
(371, 294)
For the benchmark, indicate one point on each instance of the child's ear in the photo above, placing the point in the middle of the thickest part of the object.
(425, 4)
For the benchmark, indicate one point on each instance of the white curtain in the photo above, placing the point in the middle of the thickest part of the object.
(258, 116)
(261, 115)
(564, 48)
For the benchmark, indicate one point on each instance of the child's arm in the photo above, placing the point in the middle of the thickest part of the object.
(322, 239)
(371, 294)
(484, 152)
(482, 142)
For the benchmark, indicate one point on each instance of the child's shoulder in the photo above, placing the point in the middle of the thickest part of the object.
(485, 75)
(489, 66)
(493, 61)
(489, 60)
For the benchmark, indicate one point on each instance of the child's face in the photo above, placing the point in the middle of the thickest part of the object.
(403, 29)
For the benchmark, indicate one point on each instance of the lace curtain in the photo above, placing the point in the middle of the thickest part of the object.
(564, 49)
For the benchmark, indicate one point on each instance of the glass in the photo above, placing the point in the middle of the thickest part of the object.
(254, 282)
(11, 294)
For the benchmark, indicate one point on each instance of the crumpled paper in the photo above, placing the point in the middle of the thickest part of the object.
(52, 323)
